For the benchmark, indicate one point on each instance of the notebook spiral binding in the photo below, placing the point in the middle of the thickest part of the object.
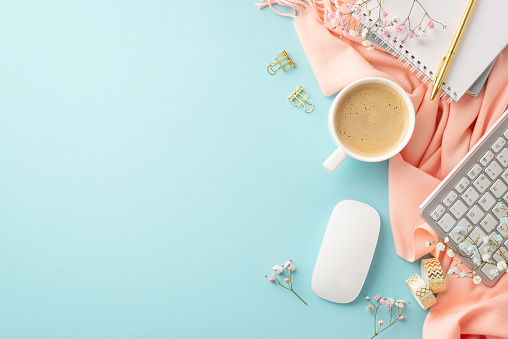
(397, 50)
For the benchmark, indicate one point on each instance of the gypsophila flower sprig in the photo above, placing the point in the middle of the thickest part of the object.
(396, 311)
(477, 246)
(349, 22)
(286, 270)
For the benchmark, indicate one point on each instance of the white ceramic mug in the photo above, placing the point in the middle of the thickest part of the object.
(342, 152)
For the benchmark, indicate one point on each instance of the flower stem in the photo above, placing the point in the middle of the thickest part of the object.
(299, 297)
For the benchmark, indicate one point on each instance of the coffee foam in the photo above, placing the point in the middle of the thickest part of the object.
(371, 120)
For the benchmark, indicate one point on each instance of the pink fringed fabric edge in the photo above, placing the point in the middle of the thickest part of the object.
(320, 8)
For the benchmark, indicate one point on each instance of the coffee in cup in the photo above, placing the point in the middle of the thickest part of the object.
(372, 119)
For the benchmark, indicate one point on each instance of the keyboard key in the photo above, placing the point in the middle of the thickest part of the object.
(487, 201)
(491, 246)
(475, 214)
(461, 186)
(499, 188)
(450, 198)
(473, 172)
(459, 237)
(437, 212)
(503, 157)
(505, 176)
(487, 157)
(501, 255)
(503, 230)
(476, 235)
(446, 222)
(498, 144)
(493, 170)
(486, 269)
(470, 196)
(498, 212)
(458, 209)
(481, 183)
(488, 223)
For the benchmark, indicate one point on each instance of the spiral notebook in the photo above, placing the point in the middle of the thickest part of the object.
(485, 37)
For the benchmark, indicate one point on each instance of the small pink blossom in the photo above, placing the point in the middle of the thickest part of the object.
(385, 32)
(381, 322)
(430, 24)
(385, 23)
(377, 297)
(382, 301)
(369, 307)
(291, 268)
(400, 317)
(388, 306)
(348, 6)
(357, 9)
(384, 14)
(358, 18)
(345, 32)
(331, 15)
(271, 279)
(398, 29)
(287, 264)
(286, 280)
(411, 33)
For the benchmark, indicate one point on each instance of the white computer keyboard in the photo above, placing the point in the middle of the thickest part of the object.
(470, 204)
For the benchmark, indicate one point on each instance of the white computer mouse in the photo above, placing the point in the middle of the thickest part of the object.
(346, 251)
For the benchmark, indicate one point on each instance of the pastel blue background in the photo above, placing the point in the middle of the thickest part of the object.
(152, 173)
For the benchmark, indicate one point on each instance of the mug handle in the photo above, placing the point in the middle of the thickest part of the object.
(334, 160)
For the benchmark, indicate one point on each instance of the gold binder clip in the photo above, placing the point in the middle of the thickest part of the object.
(283, 61)
(299, 98)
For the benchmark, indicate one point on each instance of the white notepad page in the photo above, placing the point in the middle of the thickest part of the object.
(484, 38)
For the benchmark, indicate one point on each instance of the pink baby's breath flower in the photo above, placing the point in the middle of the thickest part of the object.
(385, 23)
(287, 264)
(400, 317)
(388, 306)
(286, 280)
(369, 307)
(358, 18)
(357, 9)
(384, 14)
(385, 32)
(291, 268)
(377, 297)
(411, 33)
(345, 32)
(398, 29)
(271, 279)
(331, 15)
(430, 24)
(381, 322)
(348, 6)
(382, 301)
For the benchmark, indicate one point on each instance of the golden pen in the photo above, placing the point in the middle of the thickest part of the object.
(444, 65)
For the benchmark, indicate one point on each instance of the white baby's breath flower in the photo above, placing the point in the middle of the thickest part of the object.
(390, 301)
(427, 244)
(477, 280)
(486, 240)
(440, 246)
(366, 43)
(450, 253)
(277, 269)
(501, 265)
(486, 257)
(446, 239)
(370, 48)
(365, 31)
(353, 32)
